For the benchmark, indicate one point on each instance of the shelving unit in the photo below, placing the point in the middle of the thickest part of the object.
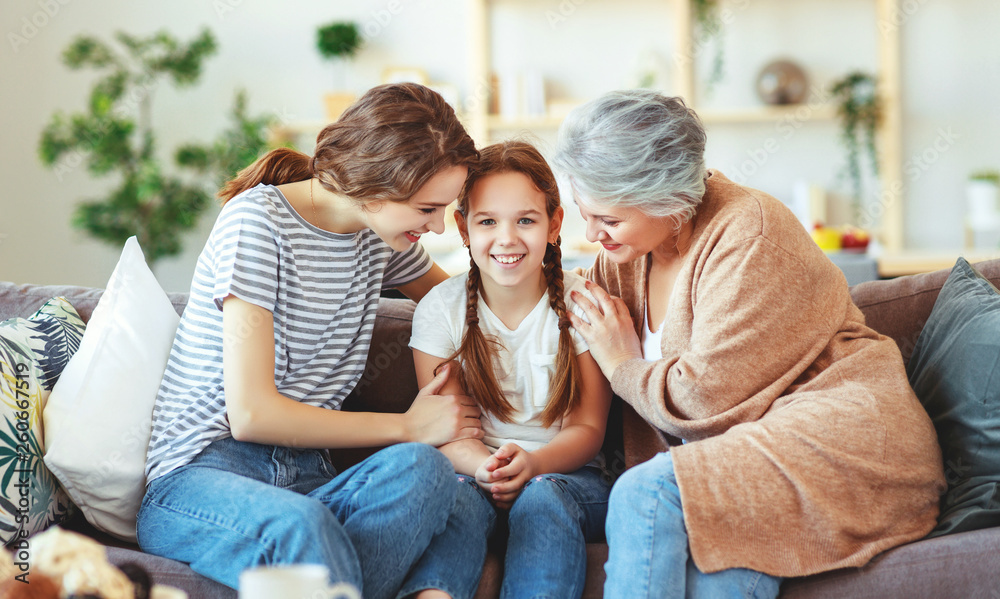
(483, 125)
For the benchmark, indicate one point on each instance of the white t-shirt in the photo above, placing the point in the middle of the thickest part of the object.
(524, 369)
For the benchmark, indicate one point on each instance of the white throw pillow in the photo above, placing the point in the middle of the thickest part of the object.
(99, 415)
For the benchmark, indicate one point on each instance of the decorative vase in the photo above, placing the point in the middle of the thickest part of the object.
(782, 82)
(982, 217)
(981, 200)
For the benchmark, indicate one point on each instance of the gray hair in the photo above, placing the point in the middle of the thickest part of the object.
(635, 148)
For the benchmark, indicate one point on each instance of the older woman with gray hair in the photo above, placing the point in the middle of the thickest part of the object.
(797, 444)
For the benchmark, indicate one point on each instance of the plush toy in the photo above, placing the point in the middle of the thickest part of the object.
(67, 565)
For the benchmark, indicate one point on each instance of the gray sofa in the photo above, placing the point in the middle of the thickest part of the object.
(965, 565)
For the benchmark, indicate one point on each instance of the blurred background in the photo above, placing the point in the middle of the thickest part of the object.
(514, 68)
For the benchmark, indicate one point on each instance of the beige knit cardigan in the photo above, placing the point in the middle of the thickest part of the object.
(806, 447)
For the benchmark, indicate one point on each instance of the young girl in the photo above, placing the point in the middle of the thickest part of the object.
(544, 400)
(275, 336)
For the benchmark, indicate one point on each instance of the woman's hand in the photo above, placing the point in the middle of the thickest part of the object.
(610, 333)
(438, 419)
(507, 471)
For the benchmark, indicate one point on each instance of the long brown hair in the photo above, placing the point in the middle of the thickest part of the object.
(477, 351)
(384, 147)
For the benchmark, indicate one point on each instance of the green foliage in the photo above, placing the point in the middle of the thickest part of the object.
(988, 175)
(235, 148)
(860, 112)
(338, 40)
(709, 22)
(114, 135)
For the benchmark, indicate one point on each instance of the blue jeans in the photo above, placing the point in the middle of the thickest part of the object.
(644, 513)
(240, 505)
(550, 524)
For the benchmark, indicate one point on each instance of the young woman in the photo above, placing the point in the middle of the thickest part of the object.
(275, 336)
(544, 400)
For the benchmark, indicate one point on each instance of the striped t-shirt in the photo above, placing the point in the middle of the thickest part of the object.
(322, 288)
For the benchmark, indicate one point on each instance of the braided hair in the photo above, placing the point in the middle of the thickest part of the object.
(478, 351)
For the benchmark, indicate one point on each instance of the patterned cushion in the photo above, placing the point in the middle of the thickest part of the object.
(33, 353)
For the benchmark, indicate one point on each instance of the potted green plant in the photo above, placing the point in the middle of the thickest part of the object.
(115, 135)
(859, 112)
(338, 42)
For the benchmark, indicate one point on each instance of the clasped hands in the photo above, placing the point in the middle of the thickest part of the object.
(505, 472)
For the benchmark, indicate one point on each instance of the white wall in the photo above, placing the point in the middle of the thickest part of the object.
(951, 82)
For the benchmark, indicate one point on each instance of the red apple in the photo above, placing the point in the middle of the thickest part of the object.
(854, 239)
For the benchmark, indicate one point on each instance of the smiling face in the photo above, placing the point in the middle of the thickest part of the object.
(626, 233)
(508, 229)
(400, 224)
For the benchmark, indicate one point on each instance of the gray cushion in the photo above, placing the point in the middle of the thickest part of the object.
(955, 371)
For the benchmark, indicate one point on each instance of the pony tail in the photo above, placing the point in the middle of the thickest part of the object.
(564, 392)
(477, 352)
(277, 167)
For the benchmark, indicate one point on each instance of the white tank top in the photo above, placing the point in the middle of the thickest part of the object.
(651, 340)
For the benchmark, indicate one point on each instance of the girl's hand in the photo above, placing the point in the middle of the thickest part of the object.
(438, 419)
(509, 468)
(610, 333)
(484, 474)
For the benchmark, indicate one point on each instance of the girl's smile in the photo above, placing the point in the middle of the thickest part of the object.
(508, 231)
(508, 259)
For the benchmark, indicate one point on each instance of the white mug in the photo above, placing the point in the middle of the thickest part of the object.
(302, 581)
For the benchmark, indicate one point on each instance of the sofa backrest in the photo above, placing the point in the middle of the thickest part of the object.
(898, 308)
(23, 300)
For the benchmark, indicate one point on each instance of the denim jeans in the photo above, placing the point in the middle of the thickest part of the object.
(644, 512)
(239, 505)
(550, 524)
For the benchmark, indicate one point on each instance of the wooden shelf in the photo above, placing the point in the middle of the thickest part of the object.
(768, 114)
(911, 262)
(891, 201)
(750, 115)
